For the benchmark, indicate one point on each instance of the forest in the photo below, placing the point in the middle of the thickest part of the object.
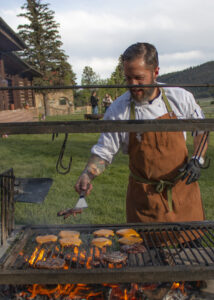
(197, 75)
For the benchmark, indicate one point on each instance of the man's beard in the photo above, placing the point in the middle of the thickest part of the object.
(142, 94)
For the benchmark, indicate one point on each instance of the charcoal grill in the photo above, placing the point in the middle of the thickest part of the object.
(166, 258)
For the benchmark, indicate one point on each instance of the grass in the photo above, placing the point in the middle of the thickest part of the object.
(36, 156)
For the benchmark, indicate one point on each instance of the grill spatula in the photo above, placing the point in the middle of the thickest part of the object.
(81, 203)
(77, 209)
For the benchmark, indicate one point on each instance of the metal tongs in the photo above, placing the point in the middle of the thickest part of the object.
(77, 209)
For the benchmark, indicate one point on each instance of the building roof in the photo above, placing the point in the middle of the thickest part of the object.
(10, 41)
(15, 65)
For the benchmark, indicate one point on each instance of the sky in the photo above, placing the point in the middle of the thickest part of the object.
(96, 32)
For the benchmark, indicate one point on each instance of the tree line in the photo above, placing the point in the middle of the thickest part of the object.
(197, 75)
(44, 52)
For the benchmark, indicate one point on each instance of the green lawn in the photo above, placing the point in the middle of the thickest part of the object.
(36, 156)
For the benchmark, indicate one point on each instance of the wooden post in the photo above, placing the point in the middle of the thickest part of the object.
(46, 104)
(16, 95)
(4, 103)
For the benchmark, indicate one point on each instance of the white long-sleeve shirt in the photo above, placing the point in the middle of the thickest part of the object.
(181, 101)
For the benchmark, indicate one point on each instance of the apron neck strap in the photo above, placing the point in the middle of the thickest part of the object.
(132, 111)
(165, 100)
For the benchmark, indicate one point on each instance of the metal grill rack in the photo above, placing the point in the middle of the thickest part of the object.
(169, 256)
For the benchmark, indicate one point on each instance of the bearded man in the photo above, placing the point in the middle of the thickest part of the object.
(158, 191)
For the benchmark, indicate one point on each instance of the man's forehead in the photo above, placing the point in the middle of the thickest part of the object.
(137, 63)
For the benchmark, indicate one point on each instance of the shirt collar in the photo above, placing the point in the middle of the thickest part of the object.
(147, 102)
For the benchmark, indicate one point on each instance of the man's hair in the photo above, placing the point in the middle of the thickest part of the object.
(145, 51)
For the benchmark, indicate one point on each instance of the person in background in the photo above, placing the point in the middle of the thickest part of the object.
(94, 102)
(107, 101)
(163, 183)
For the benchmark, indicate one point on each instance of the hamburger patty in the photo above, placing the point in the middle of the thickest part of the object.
(115, 257)
(135, 248)
(51, 263)
(69, 233)
(101, 242)
(70, 241)
(127, 232)
(104, 232)
(42, 239)
(130, 240)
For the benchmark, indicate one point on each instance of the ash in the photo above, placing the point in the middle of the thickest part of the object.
(196, 295)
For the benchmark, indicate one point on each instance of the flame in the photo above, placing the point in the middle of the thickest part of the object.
(87, 258)
(175, 285)
(69, 290)
(75, 255)
(180, 286)
(72, 291)
(37, 256)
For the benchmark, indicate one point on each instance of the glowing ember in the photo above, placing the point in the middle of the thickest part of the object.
(180, 286)
(175, 285)
(81, 291)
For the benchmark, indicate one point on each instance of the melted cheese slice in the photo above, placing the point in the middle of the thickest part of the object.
(69, 233)
(103, 232)
(130, 240)
(42, 239)
(70, 241)
(101, 242)
(127, 232)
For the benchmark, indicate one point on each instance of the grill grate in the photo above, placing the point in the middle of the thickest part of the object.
(181, 251)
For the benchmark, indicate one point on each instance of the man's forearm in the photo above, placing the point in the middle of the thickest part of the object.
(96, 166)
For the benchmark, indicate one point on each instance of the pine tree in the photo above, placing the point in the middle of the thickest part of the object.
(117, 77)
(44, 52)
(89, 77)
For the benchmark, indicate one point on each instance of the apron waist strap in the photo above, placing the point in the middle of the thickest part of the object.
(160, 185)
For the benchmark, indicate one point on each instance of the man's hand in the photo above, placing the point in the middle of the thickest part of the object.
(192, 171)
(83, 184)
(96, 166)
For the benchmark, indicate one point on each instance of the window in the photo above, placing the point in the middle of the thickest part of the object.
(62, 101)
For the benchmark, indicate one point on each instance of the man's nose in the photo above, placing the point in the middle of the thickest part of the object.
(133, 81)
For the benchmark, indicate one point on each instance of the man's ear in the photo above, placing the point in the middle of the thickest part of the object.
(156, 72)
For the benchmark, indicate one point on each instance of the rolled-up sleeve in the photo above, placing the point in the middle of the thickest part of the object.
(109, 143)
(107, 146)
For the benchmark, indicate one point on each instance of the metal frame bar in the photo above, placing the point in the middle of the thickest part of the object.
(106, 126)
(97, 86)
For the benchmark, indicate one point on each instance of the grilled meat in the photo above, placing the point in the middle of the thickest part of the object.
(101, 242)
(103, 232)
(130, 240)
(135, 248)
(70, 241)
(115, 257)
(42, 239)
(69, 212)
(69, 233)
(126, 232)
(51, 263)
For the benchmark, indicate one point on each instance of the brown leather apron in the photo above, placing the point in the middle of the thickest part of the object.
(156, 156)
